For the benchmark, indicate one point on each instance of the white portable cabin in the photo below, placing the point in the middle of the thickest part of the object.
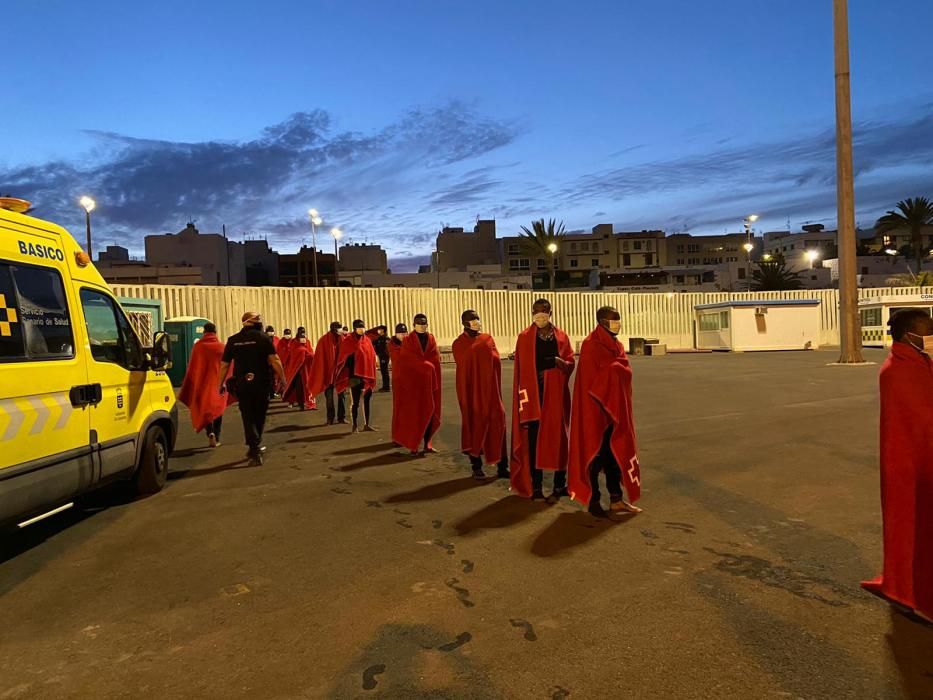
(875, 312)
(748, 325)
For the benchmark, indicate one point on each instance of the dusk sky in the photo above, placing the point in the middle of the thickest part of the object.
(393, 118)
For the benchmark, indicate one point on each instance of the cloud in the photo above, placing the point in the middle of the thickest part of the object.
(147, 186)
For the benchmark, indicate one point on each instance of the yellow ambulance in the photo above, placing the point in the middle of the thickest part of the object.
(82, 401)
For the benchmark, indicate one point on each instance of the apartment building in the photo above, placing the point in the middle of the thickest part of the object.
(457, 249)
(221, 261)
(363, 257)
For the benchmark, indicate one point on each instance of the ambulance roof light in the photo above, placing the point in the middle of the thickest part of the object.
(20, 206)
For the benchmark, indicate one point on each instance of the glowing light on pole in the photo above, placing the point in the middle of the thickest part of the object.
(337, 234)
(88, 205)
(316, 221)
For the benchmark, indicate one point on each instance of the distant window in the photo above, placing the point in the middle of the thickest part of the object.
(679, 279)
(594, 262)
(636, 245)
(573, 246)
(514, 249)
(709, 323)
(680, 261)
(649, 259)
(573, 262)
(680, 249)
(519, 264)
(871, 318)
(693, 248)
(741, 273)
(724, 320)
(647, 245)
(34, 319)
(624, 245)
(541, 263)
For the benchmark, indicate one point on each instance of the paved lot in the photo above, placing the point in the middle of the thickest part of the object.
(342, 569)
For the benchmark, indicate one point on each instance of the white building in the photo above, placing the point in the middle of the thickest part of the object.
(473, 277)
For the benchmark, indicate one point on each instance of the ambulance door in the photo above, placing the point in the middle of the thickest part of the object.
(45, 454)
(116, 363)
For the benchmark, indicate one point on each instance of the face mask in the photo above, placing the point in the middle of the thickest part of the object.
(476, 325)
(926, 343)
(615, 326)
(287, 336)
(421, 328)
(359, 331)
(400, 336)
(541, 320)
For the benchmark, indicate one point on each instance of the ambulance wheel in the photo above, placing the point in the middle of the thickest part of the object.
(153, 463)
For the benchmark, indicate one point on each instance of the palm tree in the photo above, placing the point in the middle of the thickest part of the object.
(913, 214)
(773, 276)
(542, 240)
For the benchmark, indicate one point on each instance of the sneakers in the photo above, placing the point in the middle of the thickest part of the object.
(212, 440)
(255, 459)
(479, 474)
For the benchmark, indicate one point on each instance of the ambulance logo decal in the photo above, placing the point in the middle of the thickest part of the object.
(7, 318)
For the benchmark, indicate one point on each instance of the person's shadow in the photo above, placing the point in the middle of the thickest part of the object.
(911, 643)
(571, 530)
(506, 512)
(442, 489)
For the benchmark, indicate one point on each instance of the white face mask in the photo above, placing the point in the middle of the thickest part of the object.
(287, 336)
(421, 328)
(475, 325)
(615, 326)
(926, 343)
(541, 320)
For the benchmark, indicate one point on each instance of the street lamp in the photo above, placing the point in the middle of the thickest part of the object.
(88, 205)
(437, 265)
(767, 257)
(552, 249)
(337, 234)
(812, 255)
(749, 247)
(316, 221)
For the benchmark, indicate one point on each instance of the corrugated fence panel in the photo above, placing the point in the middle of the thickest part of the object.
(668, 317)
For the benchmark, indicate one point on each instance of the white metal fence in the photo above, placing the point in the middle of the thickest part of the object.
(668, 317)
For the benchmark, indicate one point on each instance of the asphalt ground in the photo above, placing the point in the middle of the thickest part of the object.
(344, 569)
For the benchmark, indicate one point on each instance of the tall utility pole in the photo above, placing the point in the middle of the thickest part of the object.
(850, 332)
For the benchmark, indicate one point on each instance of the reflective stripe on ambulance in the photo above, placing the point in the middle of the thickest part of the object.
(34, 415)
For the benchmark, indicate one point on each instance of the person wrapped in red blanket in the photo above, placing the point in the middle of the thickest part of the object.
(199, 389)
(479, 393)
(298, 384)
(906, 383)
(602, 432)
(324, 373)
(541, 406)
(418, 384)
(356, 370)
(398, 404)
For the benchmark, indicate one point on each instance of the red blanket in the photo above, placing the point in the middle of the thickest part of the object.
(282, 349)
(907, 480)
(418, 384)
(200, 390)
(323, 371)
(298, 374)
(553, 412)
(602, 396)
(479, 393)
(364, 362)
(398, 405)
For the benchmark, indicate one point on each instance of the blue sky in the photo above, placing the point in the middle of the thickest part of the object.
(395, 117)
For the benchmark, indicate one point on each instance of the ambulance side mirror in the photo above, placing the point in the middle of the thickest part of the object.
(161, 353)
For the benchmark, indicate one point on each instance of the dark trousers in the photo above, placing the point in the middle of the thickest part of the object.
(214, 427)
(477, 462)
(254, 403)
(357, 393)
(606, 462)
(537, 475)
(384, 370)
(341, 412)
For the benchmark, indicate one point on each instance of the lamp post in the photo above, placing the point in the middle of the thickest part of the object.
(850, 334)
(337, 234)
(437, 265)
(749, 247)
(316, 221)
(88, 205)
(552, 249)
